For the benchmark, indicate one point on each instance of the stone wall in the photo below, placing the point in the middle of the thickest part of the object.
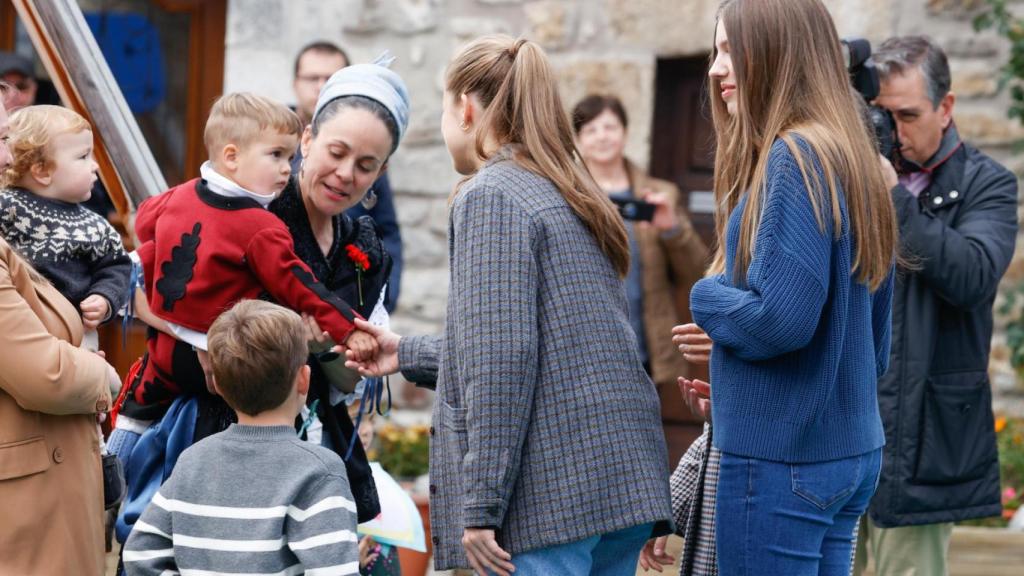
(595, 45)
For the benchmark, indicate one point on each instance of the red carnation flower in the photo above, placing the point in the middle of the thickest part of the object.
(362, 263)
(358, 257)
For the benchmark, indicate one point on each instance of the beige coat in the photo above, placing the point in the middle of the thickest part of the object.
(671, 265)
(51, 486)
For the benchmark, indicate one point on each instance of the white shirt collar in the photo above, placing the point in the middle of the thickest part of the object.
(224, 186)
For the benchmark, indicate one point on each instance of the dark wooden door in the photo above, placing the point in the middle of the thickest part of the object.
(682, 151)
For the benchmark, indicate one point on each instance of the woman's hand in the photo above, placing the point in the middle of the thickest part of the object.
(693, 342)
(697, 395)
(113, 381)
(665, 217)
(384, 361)
(485, 556)
(653, 555)
(319, 340)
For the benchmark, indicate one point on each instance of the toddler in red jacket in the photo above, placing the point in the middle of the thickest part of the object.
(210, 242)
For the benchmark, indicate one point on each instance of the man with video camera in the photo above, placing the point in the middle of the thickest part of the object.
(957, 212)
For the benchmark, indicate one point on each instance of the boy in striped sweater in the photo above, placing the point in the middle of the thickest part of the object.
(254, 498)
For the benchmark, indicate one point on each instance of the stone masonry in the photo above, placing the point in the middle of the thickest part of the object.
(610, 45)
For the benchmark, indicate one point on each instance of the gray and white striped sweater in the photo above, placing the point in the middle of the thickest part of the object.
(253, 500)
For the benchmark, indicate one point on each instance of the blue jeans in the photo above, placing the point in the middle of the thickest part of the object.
(793, 519)
(121, 443)
(611, 554)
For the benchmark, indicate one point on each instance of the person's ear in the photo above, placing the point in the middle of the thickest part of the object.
(229, 157)
(383, 169)
(306, 141)
(946, 109)
(213, 381)
(466, 111)
(42, 173)
(302, 380)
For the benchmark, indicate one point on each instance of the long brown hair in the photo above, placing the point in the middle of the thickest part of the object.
(514, 82)
(791, 80)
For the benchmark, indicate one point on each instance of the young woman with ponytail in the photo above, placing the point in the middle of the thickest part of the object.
(798, 300)
(547, 455)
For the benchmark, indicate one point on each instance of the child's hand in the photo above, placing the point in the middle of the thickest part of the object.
(363, 345)
(95, 309)
(368, 551)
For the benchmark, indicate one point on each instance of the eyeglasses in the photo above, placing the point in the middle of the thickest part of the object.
(313, 78)
(22, 84)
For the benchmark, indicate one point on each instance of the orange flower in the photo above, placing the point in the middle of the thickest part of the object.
(1000, 424)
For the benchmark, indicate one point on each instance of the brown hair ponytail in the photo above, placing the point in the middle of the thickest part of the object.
(514, 82)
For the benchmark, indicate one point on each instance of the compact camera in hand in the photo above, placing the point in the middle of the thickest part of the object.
(632, 209)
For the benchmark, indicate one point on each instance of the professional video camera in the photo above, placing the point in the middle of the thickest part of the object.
(864, 78)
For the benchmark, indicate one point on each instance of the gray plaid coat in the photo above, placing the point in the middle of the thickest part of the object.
(694, 486)
(545, 424)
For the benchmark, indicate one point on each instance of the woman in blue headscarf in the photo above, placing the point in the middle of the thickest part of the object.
(360, 118)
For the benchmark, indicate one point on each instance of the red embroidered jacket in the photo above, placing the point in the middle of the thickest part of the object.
(202, 252)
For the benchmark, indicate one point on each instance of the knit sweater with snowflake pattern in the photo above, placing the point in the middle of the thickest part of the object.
(74, 248)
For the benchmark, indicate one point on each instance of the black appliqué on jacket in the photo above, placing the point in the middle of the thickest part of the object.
(326, 295)
(178, 271)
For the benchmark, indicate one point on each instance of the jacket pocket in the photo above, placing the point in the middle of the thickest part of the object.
(454, 419)
(825, 483)
(958, 441)
(23, 458)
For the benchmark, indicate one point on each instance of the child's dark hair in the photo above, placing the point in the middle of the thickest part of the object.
(360, 103)
(256, 350)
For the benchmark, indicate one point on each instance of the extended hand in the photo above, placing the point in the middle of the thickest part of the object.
(94, 309)
(485, 556)
(693, 342)
(385, 359)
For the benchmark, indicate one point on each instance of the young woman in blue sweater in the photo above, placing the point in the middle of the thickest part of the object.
(798, 299)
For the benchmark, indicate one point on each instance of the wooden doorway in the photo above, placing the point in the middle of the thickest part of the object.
(187, 39)
(682, 151)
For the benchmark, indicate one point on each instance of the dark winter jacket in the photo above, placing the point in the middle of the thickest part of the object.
(941, 462)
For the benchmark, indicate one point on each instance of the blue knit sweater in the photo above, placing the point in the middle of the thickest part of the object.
(799, 343)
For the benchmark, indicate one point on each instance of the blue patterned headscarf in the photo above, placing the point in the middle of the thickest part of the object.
(375, 81)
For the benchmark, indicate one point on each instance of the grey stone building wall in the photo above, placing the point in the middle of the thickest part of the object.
(611, 45)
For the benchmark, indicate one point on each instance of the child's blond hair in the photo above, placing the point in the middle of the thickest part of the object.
(32, 131)
(239, 117)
